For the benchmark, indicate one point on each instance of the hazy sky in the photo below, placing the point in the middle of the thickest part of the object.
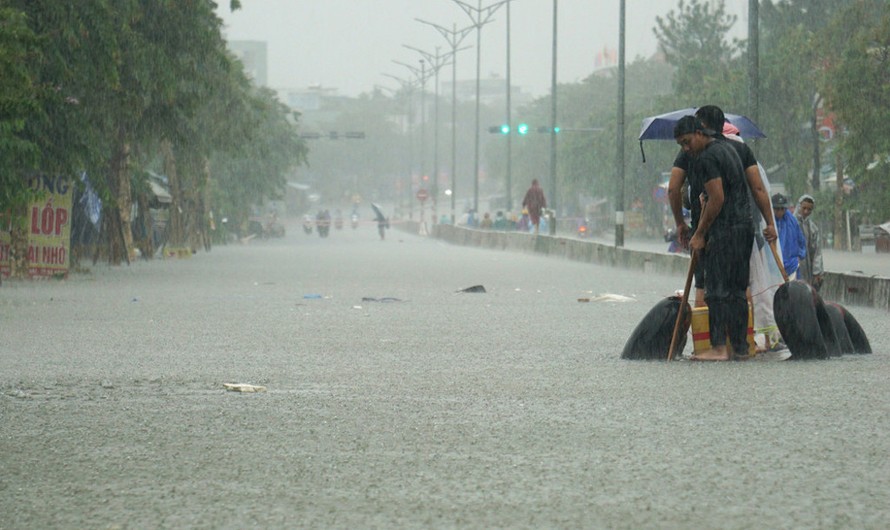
(350, 44)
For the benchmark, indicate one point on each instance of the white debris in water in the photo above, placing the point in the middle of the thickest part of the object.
(608, 297)
(243, 387)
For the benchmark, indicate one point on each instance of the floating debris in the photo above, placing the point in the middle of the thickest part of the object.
(243, 387)
(608, 297)
(385, 299)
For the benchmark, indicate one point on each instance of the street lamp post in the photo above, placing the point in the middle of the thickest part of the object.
(619, 162)
(408, 89)
(479, 16)
(422, 77)
(436, 61)
(509, 197)
(754, 65)
(454, 37)
(553, 194)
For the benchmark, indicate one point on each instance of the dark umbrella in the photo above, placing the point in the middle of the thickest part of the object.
(661, 127)
(378, 212)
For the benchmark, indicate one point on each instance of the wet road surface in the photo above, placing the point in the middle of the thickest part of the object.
(504, 409)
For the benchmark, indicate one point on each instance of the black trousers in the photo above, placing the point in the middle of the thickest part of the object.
(727, 264)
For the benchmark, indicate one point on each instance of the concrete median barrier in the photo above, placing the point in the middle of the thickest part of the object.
(843, 288)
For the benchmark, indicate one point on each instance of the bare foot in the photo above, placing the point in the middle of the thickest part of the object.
(710, 355)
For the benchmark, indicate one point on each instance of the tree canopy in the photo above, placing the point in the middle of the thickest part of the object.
(99, 86)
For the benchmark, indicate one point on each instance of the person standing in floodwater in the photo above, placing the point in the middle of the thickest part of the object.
(724, 236)
(534, 202)
(811, 268)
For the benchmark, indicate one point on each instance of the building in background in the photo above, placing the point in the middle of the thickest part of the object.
(254, 55)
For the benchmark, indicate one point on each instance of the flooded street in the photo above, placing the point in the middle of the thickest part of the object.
(508, 408)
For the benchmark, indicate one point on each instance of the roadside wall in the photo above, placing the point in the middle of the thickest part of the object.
(846, 289)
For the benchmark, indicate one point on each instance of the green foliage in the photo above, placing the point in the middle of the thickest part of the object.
(693, 40)
(857, 88)
(81, 81)
(19, 104)
(255, 168)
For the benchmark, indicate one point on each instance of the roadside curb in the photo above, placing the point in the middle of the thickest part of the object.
(844, 288)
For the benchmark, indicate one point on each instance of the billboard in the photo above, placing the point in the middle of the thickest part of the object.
(48, 229)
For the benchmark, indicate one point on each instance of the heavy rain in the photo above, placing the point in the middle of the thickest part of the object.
(451, 263)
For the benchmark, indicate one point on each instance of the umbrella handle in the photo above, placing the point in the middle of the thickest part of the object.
(692, 261)
(772, 246)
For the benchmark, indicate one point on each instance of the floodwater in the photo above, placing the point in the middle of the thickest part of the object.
(508, 408)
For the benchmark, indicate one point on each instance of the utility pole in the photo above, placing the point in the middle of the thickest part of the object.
(408, 89)
(509, 196)
(454, 37)
(619, 156)
(553, 192)
(479, 16)
(422, 77)
(436, 62)
(754, 60)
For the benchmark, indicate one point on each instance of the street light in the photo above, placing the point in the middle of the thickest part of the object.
(479, 16)
(509, 168)
(454, 37)
(408, 89)
(436, 61)
(553, 194)
(619, 206)
(422, 77)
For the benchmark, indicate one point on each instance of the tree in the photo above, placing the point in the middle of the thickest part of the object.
(112, 85)
(693, 40)
(857, 89)
(21, 101)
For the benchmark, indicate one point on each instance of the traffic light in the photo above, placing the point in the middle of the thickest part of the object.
(546, 130)
(505, 128)
(522, 129)
(499, 129)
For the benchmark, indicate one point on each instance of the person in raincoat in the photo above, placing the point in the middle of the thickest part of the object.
(535, 203)
(791, 238)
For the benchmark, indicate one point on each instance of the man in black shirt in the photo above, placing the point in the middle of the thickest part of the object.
(761, 289)
(724, 235)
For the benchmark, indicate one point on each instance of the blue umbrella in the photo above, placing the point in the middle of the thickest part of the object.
(661, 127)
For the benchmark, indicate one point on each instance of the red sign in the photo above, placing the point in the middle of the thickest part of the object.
(422, 195)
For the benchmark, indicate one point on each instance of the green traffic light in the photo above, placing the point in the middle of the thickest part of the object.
(556, 129)
(522, 129)
(505, 129)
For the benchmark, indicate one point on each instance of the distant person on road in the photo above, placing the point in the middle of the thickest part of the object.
(486, 223)
(523, 224)
(472, 221)
(811, 267)
(534, 202)
(382, 225)
(791, 238)
(500, 221)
